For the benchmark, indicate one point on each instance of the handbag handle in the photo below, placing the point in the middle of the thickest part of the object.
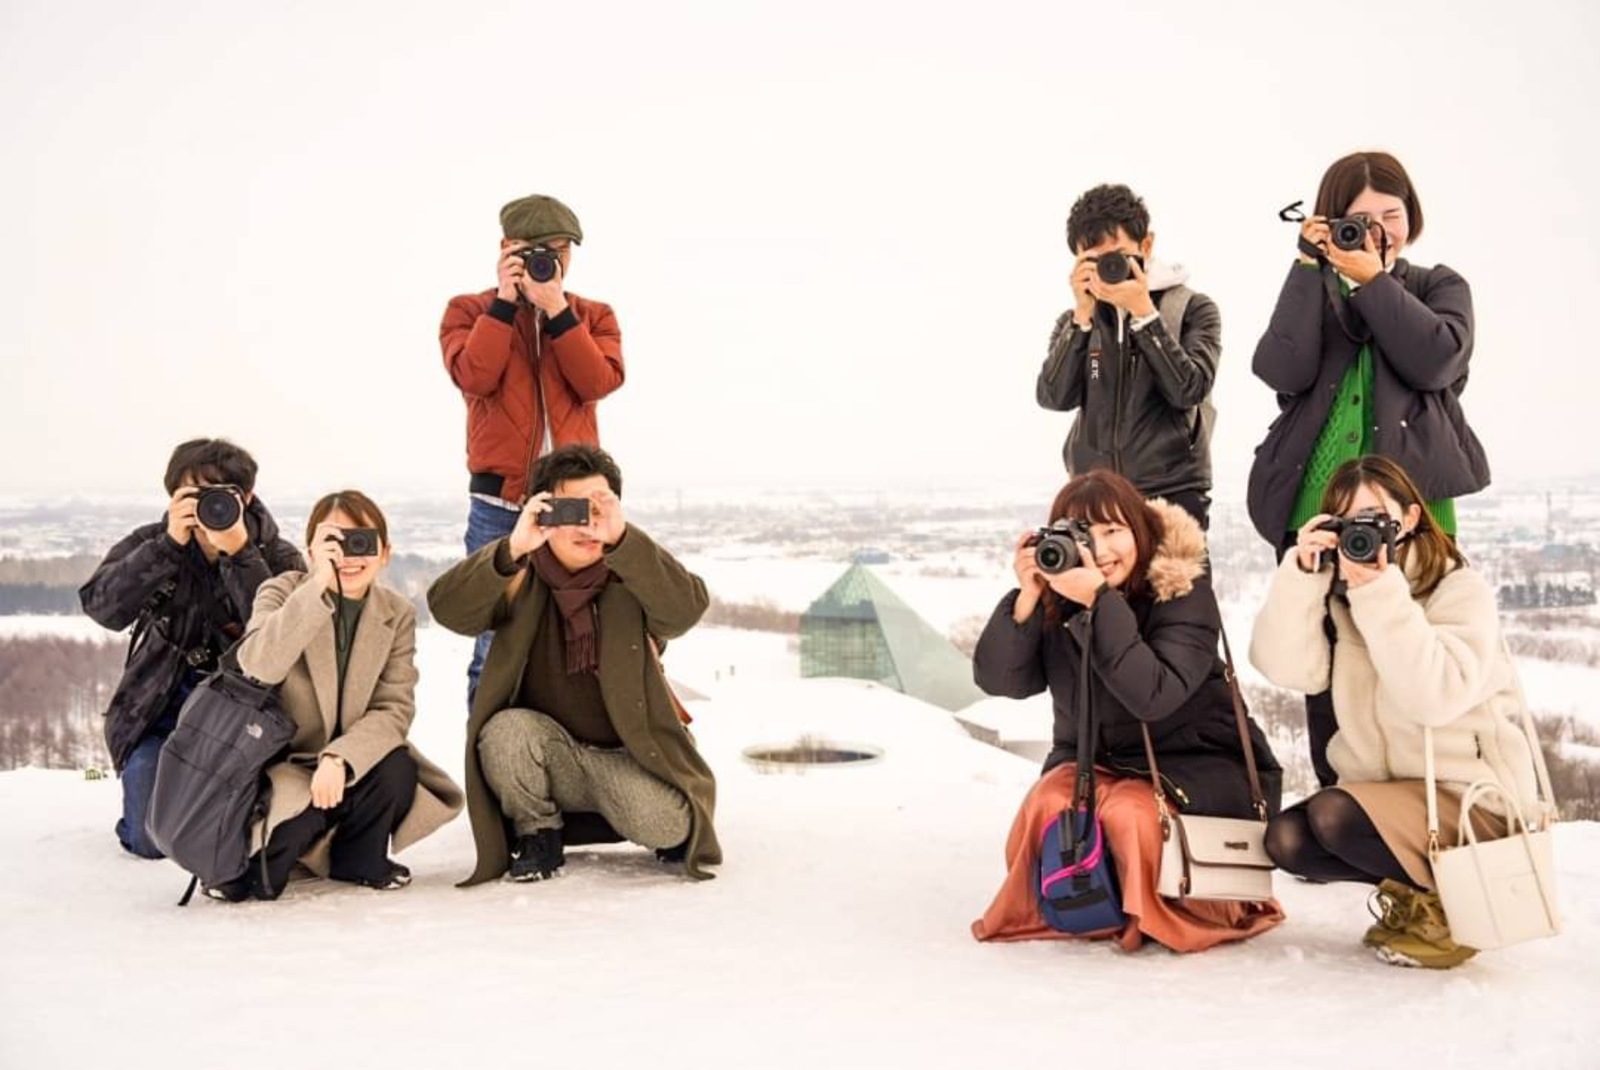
(1241, 717)
(1541, 771)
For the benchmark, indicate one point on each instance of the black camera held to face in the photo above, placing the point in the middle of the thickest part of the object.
(1062, 546)
(565, 513)
(1346, 232)
(361, 542)
(1361, 536)
(218, 507)
(1114, 267)
(541, 262)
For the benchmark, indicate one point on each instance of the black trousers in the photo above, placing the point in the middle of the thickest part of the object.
(372, 808)
(1197, 503)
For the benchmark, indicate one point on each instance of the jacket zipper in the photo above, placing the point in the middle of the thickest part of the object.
(539, 414)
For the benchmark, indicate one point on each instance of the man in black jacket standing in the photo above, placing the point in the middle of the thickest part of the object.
(186, 585)
(1136, 355)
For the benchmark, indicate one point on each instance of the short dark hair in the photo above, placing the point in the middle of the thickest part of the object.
(215, 460)
(574, 462)
(1098, 213)
(1343, 182)
(357, 506)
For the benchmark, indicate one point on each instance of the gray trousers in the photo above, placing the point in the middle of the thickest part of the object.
(537, 770)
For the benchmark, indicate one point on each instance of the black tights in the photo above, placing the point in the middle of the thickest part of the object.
(1330, 838)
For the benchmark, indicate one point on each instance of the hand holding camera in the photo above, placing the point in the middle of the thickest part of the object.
(1120, 280)
(530, 531)
(327, 554)
(1083, 299)
(181, 519)
(606, 521)
(1366, 544)
(1361, 262)
(215, 513)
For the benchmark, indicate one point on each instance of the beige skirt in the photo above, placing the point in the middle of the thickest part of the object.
(1399, 811)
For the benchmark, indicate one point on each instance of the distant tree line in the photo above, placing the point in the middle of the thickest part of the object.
(53, 693)
(1543, 596)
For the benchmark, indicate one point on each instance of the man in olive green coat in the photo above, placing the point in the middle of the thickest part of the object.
(574, 736)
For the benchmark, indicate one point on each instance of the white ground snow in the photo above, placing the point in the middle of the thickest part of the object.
(836, 935)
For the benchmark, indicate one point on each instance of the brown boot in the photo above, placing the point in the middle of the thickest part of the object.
(1415, 931)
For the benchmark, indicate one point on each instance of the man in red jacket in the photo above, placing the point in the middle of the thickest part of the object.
(532, 362)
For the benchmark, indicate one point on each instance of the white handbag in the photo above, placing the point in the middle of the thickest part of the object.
(1496, 892)
(1214, 857)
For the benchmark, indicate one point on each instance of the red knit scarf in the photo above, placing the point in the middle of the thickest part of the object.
(574, 592)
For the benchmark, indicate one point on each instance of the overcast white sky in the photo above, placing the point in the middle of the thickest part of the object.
(833, 233)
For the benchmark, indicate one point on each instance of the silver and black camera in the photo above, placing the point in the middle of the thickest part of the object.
(1064, 545)
(1350, 232)
(1361, 536)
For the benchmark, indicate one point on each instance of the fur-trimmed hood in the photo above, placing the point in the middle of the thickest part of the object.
(1180, 556)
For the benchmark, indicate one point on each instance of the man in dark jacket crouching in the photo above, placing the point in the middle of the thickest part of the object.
(186, 584)
(574, 736)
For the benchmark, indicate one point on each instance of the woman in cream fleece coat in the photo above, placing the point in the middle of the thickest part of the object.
(1417, 645)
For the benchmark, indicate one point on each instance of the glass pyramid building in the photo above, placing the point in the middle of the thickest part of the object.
(861, 629)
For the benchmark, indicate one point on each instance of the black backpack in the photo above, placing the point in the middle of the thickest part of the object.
(209, 784)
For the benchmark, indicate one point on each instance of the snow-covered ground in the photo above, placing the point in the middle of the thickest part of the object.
(836, 934)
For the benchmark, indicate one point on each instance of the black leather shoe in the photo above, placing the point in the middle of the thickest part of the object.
(537, 856)
(398, 877)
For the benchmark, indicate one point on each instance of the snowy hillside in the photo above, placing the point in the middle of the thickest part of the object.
(836, 935)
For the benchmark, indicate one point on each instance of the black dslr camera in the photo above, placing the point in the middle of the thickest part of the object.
(1361, 535)
(361, 542)
(1115, 267)
(217, 507)
(542, 263)
(1350, 232)
(1064, 545)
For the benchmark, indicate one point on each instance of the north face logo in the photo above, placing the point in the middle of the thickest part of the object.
(253, 731)
(1236, 845)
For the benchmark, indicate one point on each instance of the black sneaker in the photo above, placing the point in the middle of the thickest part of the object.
(537, 856)
(234, 891)
(397, 877)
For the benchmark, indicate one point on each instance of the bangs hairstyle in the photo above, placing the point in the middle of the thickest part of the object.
(1436, 553)
(353, 504)
(1103, 497)
(1344, 181)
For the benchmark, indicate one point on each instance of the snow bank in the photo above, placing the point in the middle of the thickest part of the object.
(836, 935)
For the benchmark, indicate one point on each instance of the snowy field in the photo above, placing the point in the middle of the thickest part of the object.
(836, 934)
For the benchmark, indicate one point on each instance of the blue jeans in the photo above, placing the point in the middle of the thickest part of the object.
(138, 781)
(485, 524)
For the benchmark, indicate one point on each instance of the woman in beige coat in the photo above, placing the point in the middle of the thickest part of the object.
(1416, 644)
(342, 651)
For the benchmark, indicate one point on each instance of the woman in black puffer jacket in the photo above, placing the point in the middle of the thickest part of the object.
(1368, 354)
(1145, 609)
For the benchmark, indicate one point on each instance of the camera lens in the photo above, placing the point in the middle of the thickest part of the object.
(1349, 233)
(217, 508)
(1113, 268)
(1359, 544)
(1056, 553)
(360, 542)
(541, 263)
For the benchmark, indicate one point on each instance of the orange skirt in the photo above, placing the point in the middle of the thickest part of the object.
(1127, 810)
